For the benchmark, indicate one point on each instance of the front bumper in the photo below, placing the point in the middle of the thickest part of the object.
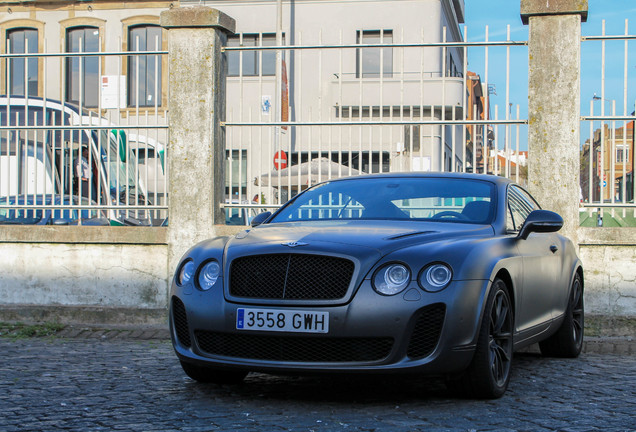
(414, 331)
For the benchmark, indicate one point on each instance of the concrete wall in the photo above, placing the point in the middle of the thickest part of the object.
(121, 275)
(63, 271)
(609, 257)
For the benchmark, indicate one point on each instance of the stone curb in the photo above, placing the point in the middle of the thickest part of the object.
(598, 345)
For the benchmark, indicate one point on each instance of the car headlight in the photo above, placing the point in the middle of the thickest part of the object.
(186, 272)
(435, 277)
(208, 274)
(391, 279)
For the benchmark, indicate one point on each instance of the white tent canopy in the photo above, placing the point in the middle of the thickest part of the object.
(309, 173)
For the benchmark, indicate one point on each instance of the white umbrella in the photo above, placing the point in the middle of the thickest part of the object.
(311, 172)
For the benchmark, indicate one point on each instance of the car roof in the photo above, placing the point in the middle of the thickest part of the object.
(447, 175)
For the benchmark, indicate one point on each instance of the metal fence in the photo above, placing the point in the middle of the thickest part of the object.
(80, 145)
(327, 109)
(607, 131)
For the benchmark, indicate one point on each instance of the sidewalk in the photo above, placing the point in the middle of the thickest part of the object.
(619, 345)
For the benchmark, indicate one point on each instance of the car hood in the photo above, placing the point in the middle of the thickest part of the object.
(349, 237)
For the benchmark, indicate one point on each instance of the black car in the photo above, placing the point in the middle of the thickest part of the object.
(440, 274)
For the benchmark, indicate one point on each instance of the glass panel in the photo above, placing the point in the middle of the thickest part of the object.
(82, 72)
(251, 58)
(419, 199)
(145, 70)
(18, 40)
(269, 57)
(370, 60)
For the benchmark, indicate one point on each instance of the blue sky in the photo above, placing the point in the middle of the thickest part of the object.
(497, 14)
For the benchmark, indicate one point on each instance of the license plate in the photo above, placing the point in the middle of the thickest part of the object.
(299, 321)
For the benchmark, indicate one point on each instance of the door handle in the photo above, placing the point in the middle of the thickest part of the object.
(554, 248)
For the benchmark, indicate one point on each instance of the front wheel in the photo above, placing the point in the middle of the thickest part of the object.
(488, 374)
(204, 374)
(567, 342)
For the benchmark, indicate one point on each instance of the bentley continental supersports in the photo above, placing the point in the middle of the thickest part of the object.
(436, 274)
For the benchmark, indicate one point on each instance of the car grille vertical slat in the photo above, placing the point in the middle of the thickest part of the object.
(180, 321)
(291, 277)
(427, 330)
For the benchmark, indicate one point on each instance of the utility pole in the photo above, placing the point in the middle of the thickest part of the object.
(279, 70)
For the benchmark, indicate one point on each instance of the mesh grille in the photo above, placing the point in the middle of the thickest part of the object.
(180, 322)
(427, 331)
(291, 277)
(298, 349)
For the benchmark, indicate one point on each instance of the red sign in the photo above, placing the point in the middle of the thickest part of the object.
(280, 160)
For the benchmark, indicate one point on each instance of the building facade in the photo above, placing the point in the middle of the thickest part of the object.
(372, 109)
(607, 171)
(356, 107)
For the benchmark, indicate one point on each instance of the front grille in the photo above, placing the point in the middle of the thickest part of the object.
(291, 277)
(427, 331)
(180, 321)
(294, 348)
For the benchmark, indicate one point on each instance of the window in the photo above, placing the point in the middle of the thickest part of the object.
(236, 168)
(82, 74)
(622, 153)
(251, 62)
(374, 62)
(520, 205)
(22, 41)
(144, 70)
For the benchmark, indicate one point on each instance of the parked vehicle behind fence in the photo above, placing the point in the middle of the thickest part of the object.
(49, 212)
(41, 144)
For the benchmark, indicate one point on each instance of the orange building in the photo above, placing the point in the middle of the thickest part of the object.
(612, 165)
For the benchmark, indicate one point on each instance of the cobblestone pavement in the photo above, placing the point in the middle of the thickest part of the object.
(91, 384)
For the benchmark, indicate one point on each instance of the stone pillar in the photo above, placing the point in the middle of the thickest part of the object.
(554, 116)
(197, 142)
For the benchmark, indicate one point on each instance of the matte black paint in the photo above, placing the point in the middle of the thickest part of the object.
(539, 278)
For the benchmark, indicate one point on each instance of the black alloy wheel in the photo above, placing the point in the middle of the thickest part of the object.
(567, 342)
(488, 375)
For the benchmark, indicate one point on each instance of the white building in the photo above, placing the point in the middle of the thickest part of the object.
(344, 85)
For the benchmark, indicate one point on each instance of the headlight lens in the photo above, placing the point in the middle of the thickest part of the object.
(208, 274)
(435, 277)
(186, 273)
(391, 279)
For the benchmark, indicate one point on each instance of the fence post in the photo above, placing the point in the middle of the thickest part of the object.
(554, 113)
(197, 142)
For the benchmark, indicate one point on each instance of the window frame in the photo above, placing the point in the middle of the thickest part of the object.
(131, 73)
(259, 58)
(83, 75)
(15, 24)
(387, 60)
(516, 192)
(70, 23)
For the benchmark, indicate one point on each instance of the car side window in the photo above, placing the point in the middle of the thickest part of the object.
(520, 205)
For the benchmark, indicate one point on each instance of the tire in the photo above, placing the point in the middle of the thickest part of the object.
(204, 374)
(567, 342)
(488, 374)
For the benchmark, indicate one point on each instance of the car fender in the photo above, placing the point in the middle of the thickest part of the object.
(204, 250)
(471, 259)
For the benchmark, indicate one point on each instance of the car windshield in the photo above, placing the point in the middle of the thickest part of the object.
(395, 198)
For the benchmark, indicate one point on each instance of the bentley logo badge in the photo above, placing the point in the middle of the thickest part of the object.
(294, 244)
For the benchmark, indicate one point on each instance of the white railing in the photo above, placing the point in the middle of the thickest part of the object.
(322, 116)
(43, 177)
(607, 131)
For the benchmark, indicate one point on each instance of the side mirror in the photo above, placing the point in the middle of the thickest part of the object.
(260, 218)
(540, 221)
